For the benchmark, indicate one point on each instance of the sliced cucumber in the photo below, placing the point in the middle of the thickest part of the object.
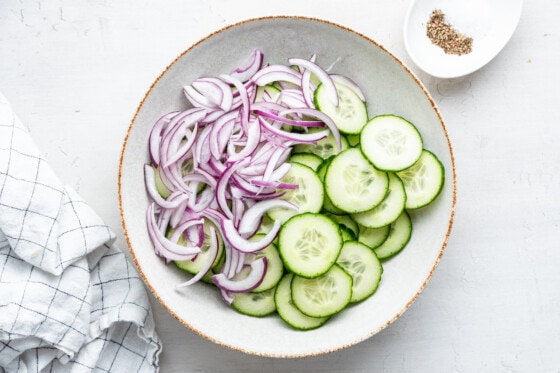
(373, 237)
(309, 244)
(388, 210)
(353, 184)
(346, 233)
(353, 140)
(195, 265)
(391, 143)
(308, 197)
(289, 312)
(255, 304)
(423, 181)
(327, 204)
(322, 296)
(350, 115)
(363, 265)
(162, 189)
(266, 225)
(268, 93)
(399, 235)
(274, 267)
(324, 148)
(347, 222)
(310, 160)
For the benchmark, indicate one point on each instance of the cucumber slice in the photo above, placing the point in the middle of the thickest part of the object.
(346, 233)
(327, 204)
(255, 304)
(268, 93)
(274, 267)
(388, 210)
(399, 235)
(162, 189)
(391, 143)
(266, 225)
(353, 184)
(322, 296)
(353, 140)
(423, 181)
(195, 265)
(350, 115)
(309, 244)
(347, 222)
(373, 237)
(324, 148)
(288, 312)
(360, 262)
(310, 160)
(308, 197)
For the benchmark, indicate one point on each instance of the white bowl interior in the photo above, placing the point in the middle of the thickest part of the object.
(390, 88)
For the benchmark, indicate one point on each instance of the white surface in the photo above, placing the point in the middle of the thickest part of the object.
(75, 71)
(489, 23)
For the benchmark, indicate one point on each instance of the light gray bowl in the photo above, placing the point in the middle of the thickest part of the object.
(390, 87)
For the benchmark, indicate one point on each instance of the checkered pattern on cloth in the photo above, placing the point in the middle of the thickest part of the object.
(69, 299)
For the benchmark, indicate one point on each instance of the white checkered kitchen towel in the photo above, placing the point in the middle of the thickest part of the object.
(69, 299)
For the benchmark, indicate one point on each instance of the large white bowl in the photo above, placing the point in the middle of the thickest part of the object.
(390, 88)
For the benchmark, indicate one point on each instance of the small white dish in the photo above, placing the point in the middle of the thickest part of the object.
(490, 23)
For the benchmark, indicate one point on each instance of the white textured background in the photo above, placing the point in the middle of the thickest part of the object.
(75, 71)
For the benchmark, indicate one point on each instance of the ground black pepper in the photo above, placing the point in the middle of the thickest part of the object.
(446, 37)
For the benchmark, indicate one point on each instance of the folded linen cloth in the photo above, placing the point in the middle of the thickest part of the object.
(69, 299)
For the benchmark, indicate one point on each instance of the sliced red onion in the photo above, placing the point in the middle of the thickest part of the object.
(293, 99)
(227, 296)
(276, 73)
(184, 149)
(213, 251)
(253, 141)
(223, 184)
(162, 174)
(244, 185)
(155, 136)
(294, 136)
(203, 201)
(195, 234)
(183, 227)
(307, 88)
(326, 119)
(177, 214)
(250, 67)
(170, 203)
(283, 119)
(274, 184)
(238, 148)
(272, 164)
(344, 80)
(244, 96)
(215, 90)
(232, 236)
(220, 134)
(321, 74)
(163, 246)
(212, 115)
(175, 132)
(236, 262)
(254, 279)
(201, 152)
(252, 217)
(280, 171)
